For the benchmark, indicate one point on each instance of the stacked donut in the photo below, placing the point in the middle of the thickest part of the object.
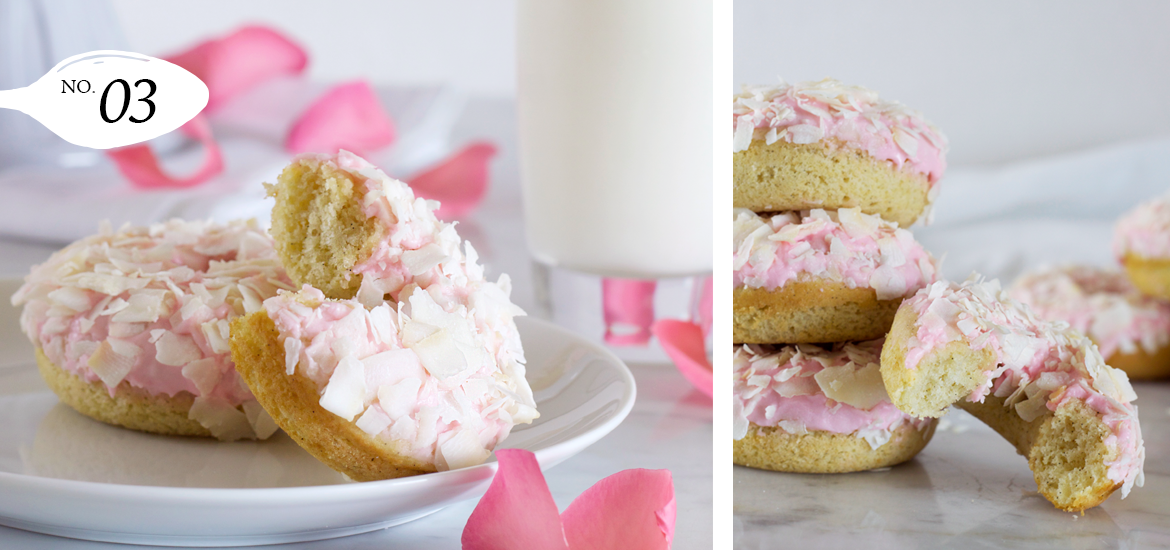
(363, 327)
(826, 177)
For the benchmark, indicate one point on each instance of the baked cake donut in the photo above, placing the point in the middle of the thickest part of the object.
(822, 276)
(422, 371)
(132, 327)
(1131, 330)
(1141, 242)
(1043, 386)
(813, 409)
(828, 145)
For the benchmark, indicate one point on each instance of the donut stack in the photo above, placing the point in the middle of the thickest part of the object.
(826, 178)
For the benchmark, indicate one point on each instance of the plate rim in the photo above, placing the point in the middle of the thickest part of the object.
(335, 492)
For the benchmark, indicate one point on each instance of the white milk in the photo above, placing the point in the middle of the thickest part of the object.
(616, 134)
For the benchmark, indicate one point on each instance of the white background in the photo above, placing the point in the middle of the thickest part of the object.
(466, 43)
(1003, 79)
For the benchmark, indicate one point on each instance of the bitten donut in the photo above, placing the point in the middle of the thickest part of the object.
(828, 145)
(132, 327)
(1043, 386)
(1141, 242)
(822, 276)
(422, 371)
(812, 409)
(1131, 330)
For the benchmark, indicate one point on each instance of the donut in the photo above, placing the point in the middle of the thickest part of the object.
(132, 327)
(1040, 384)
(822, 276)
(811, 409)
(1131, 330)
(420, 368)
(828, 145)
(1141, 242)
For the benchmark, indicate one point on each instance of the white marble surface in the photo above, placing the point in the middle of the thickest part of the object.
(967, 489)
(670, 426)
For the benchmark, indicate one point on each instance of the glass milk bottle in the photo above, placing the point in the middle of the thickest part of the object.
(614, 101)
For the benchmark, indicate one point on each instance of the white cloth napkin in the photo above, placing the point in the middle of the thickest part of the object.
(1048, 211)
(62, 204)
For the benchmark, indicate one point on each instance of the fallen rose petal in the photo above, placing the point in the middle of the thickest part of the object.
(631, 509)
(683, 343)
(517, 512)
(139, 164)
(458, 183)
(348, 116)
(241, 60)
(628, 310)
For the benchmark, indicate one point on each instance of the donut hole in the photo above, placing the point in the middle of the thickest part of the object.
(319, 227)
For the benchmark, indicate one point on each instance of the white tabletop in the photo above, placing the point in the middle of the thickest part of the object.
(669, 427)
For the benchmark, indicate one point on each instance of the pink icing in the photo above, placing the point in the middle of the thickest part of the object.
(777, 386)
(1144, 231)
(1100, 303)
(808, 112)
(160, 300)
(1041, 364)
(861, 250)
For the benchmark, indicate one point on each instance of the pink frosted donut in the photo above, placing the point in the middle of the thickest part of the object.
(417, 368)
(822, 276)
(132, 327)
(1131, 330)
(833, 145)
(1141, 241)
(819, 409)
(1042, 385)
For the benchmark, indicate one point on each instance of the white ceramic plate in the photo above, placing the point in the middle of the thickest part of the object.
(64, 474)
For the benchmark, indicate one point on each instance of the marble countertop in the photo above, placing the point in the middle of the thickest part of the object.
(967, 489)
(670, 426)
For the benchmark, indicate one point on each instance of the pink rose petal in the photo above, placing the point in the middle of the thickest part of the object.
(348, 116)
(631, 509)
(139, 164)
(628, 308)
(517, 512)
(458, 183)
(241, 60)
(683, 343)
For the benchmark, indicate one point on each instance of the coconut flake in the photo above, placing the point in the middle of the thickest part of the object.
(373, 421)
(224, 421)
(176, 350)
(109, 365)
(345, 393)
(860, 388)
